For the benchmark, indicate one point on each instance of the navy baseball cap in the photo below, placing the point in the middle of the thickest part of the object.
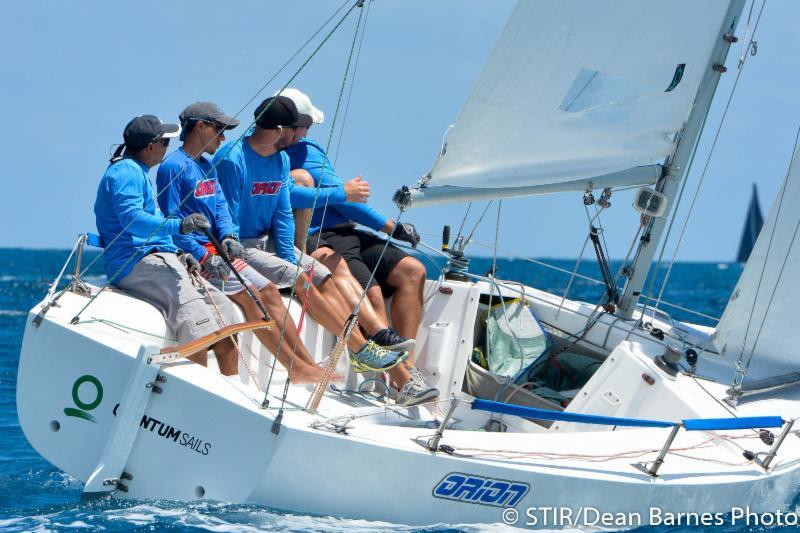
(206, 112)
(146, 129)
(276, 111)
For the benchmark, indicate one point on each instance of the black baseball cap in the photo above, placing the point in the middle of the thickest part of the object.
(207, 112)
(146, 129)
(276, 111)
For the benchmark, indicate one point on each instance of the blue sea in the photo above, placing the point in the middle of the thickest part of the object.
(36, 496)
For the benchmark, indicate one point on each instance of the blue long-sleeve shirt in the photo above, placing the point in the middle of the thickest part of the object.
(125, 196)
(187, 185)
(310, 156)
(257, 189)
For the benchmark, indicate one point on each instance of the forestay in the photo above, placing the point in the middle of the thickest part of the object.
(769, 290)
(577, 89)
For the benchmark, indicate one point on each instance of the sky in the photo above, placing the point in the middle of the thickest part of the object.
(72, 74)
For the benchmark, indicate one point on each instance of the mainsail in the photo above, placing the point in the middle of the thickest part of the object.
(580, 92)
(752, 227)
(759, 320)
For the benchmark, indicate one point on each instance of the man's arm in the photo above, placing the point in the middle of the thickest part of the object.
(127, 196)
(364, 215)
(229, 179)
(283, 219)
(171, 192)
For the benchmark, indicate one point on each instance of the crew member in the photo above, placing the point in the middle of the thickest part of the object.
(140, 256)
(333, 227)
(255, 179)
(187, 183)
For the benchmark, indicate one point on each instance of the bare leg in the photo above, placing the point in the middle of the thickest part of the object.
(370, 320)
(227, 357)
(292, 354)
(408, 279)
(328, 309)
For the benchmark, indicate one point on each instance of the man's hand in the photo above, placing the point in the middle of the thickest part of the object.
(216, 267)
(187, 260)
(406, 232)
(232, 247)
(194, 223)
(357, 190)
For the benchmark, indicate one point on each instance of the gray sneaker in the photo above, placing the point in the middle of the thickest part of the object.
(416, 391)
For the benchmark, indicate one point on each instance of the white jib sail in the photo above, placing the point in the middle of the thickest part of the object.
(581, 88)
(761, 315)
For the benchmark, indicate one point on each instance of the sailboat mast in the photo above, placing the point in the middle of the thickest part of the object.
(675, 169)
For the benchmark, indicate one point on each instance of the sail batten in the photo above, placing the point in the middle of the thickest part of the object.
(576, 89)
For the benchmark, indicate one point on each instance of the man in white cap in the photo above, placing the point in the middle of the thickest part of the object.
(333, 236)
(140, 256)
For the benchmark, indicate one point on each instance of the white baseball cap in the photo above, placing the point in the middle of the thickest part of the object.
(308, 113)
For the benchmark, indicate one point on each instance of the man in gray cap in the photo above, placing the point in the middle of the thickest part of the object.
(187, 183)
(140, 256)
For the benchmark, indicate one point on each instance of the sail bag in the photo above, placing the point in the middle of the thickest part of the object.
(514, 339)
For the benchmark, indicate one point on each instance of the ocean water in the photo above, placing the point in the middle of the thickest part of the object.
(34, 495)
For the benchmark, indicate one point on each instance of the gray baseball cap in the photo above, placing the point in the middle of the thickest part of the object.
(207, 112)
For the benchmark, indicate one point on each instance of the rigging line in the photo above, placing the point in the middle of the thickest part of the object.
(573, 275)
(76, 318)
(478, 223)
(313, 207)
(775, 287)
(463, 221)
(352, 83)
(705, 170)
(102, 251)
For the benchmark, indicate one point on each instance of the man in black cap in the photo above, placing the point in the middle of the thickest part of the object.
(256, 181)
(140, 256)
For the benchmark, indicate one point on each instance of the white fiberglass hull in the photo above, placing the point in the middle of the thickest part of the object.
(207, 436)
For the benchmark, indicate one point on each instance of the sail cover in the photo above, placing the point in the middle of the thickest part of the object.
(761, 315)
(581, 88)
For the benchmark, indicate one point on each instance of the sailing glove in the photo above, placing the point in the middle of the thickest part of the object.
(215, 266)
(406, 232)
(232, 247)
(187, 260)
(194, 223)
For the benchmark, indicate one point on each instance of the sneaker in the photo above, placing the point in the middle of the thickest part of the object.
(391, 340)
(372, 357)
(416, 391)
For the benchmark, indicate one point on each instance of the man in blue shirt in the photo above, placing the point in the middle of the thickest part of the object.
(187, 183)
(140, 256)
(255, 179)
(333, 229)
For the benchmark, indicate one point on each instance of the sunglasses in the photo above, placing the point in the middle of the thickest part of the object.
(165, 142)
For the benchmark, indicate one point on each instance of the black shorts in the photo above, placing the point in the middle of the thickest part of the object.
(361, 250)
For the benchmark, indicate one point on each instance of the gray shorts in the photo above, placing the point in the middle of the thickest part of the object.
(260, 254)
(231, 285)
(161, 280)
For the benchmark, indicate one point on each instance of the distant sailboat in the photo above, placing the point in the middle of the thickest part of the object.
(752, 227)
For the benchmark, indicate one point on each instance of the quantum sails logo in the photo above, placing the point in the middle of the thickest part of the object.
(93, 385)
(169, 432)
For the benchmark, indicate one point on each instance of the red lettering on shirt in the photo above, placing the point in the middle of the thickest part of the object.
(268, 188)
(205, 188)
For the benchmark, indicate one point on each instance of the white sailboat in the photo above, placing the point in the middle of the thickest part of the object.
(577, 96)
